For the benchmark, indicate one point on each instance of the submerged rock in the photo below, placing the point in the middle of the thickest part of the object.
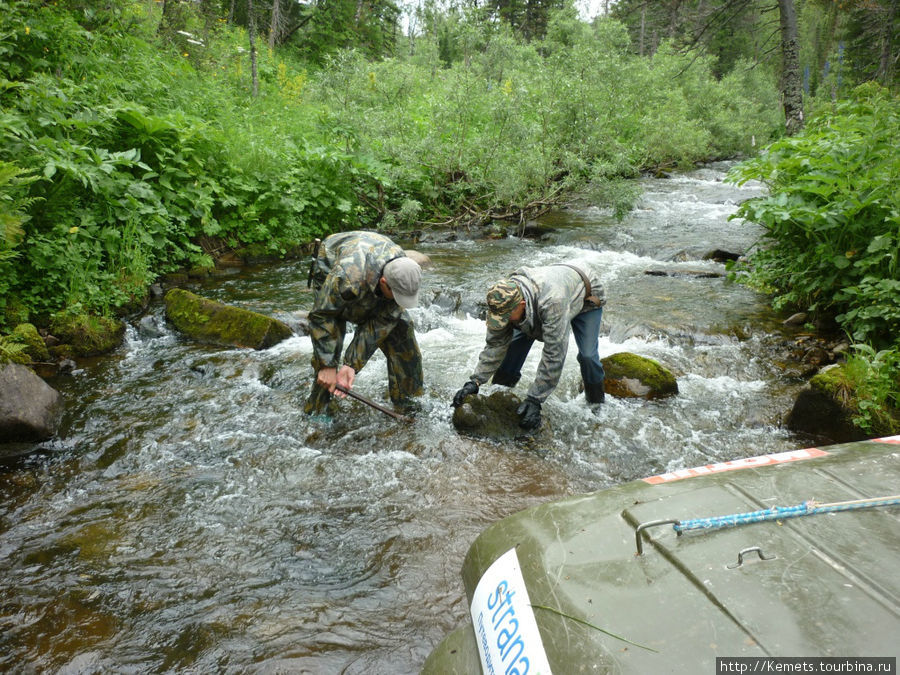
(698, 274)
(494, 418)
(631, 376)
(30, 409)
(722, 256)
(215, 323)
(149, 329)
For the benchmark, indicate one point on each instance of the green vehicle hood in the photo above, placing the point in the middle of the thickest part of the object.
(819, 585)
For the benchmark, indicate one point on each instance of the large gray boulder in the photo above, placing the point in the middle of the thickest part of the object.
(30, 408)
(215, 323)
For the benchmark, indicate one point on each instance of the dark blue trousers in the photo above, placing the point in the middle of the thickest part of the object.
(585, 328)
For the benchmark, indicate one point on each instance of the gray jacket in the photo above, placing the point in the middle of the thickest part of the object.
(554, 295)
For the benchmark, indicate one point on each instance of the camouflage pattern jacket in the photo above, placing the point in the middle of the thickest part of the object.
(345, 278)
(554, 295)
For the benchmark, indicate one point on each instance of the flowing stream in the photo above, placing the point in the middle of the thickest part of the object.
(189, 517)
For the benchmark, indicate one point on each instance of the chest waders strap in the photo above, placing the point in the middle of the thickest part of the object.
(588, 293)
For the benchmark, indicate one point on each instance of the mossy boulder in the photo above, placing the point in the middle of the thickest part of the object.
(200, 272)
(88, 335)
(494, 418)
(826, 406)
(27, 335)
(215, 323)
(631, 376)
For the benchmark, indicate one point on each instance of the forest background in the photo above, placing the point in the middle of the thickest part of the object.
(145, 136)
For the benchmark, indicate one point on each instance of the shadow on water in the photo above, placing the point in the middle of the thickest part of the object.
(190, 517)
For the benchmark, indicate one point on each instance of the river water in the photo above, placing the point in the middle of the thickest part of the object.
(189, 517)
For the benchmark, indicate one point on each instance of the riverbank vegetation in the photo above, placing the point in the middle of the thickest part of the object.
(831, 245)
(140, 137)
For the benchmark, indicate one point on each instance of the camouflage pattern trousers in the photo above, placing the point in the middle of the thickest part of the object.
(404, 368)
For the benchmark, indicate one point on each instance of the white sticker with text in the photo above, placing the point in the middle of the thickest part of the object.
(505, 628)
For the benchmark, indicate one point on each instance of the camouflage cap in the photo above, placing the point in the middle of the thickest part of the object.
(502, 298)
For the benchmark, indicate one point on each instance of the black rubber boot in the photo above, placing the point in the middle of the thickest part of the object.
(594, 393)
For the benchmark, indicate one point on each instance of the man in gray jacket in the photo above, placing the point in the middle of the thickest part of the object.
(541, 303)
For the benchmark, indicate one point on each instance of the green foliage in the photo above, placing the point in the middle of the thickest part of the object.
(13, 351)
(874, 377)
(871, 29)
(322, 29)
(35, 349)
(832, 216)
(841, 43)
(86, 334)
(107, 135)
(130, 149)
(726, 31)
(13, 207)
(14, 204)
(528, 18)
(505, 124)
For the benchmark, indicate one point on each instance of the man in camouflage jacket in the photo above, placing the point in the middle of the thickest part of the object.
(368, 280)
(546, 304)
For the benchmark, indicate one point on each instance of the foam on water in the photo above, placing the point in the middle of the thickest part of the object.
(193, 512)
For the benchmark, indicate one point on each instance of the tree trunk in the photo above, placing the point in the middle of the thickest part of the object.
(673, 18)
(274, 24)
(885, 67)
(791, 82)
(163, 17)
(641, 42)
(251, 22)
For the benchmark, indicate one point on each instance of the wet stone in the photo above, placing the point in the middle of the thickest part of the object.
(213, 322)
(632, 376)
(30, 409)
(494, 418)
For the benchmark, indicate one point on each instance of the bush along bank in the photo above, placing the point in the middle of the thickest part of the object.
(831, 243)
(127, 156)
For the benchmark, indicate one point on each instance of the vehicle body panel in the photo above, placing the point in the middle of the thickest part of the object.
(829, 586)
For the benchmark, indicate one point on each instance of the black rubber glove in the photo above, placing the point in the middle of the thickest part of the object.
(529, 413)
(468, 388)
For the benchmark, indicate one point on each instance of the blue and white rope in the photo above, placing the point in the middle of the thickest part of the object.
(807, 508)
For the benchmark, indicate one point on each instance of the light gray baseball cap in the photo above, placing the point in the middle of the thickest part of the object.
(403, 275)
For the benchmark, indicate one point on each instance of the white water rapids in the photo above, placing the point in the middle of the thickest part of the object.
(189, 517)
